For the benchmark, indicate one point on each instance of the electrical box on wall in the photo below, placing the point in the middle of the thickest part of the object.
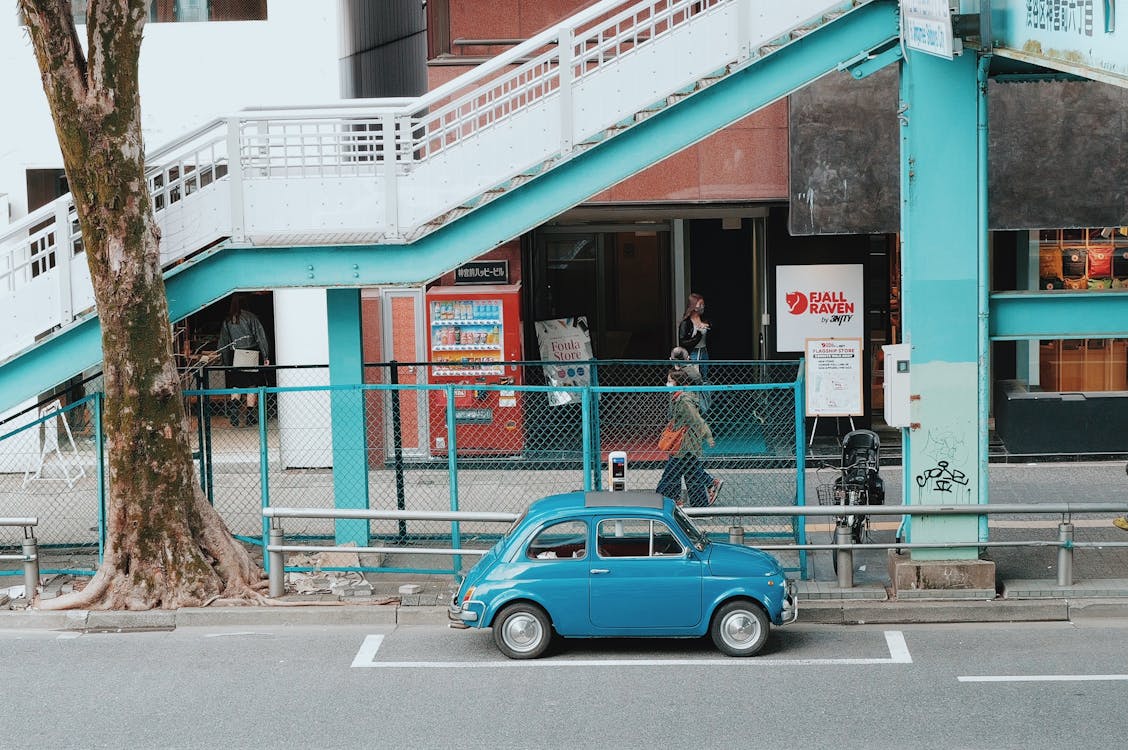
(896, 387)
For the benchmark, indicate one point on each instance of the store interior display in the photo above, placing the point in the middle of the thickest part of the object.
(1091, 260)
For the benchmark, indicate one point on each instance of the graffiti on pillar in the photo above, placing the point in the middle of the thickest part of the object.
(950, 485)
(944, 482)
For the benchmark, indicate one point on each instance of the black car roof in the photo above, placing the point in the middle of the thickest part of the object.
(628, 498)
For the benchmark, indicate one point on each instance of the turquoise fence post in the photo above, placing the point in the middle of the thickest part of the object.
(264, 475)
(595, 438)
(346, 400)
(100, 471)
(585, 427)
(452, 468)
(801, 461)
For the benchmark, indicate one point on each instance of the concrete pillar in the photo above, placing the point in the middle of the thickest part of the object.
(940, 235)
(350, 446)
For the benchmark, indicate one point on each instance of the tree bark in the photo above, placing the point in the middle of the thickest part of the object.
(166, 546)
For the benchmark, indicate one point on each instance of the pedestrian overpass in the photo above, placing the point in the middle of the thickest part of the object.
(380, 192)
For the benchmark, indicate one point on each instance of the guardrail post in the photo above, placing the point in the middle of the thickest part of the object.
(31, 565)
(845, 556)
(1065, 554)
(277, 572)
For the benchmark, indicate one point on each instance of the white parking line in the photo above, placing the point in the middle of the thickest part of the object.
(365, 657)
(368, 651)
(1044, 678)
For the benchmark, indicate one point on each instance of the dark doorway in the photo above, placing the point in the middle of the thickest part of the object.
(618, 280)
(722, 269)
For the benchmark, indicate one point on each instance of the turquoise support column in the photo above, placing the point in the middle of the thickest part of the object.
(350, 444)
(940, 234)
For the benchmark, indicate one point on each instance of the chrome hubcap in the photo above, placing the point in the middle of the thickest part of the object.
(740, 629)
(523, 632)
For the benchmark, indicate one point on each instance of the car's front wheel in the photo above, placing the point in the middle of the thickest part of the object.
(740, 628)
(522, 631)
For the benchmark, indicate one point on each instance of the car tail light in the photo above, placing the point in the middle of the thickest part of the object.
(469, 593)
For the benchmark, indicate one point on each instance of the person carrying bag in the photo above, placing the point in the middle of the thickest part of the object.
(684, 462)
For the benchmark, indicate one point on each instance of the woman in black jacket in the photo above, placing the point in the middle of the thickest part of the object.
(693, 330)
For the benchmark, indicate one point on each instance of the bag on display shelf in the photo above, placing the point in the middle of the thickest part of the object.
(1073, 262)
(671, 439)
(1120, 262)
(1049, 263)
(1100, 262)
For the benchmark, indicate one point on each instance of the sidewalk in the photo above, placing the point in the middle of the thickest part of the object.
(1026, 587)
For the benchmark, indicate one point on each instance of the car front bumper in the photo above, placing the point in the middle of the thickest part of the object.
(790, 610)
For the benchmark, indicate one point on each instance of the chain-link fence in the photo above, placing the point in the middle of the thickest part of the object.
(50, 469)
(404, 441)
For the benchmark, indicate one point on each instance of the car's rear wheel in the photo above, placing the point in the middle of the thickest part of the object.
(522, 631)
(740, 628)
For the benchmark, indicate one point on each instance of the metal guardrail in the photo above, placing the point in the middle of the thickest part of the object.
(842, 546)
(30, 555)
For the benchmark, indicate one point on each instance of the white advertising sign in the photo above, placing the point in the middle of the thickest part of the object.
(566, 345)
(834, 377)
(926, 25)
(818, 301)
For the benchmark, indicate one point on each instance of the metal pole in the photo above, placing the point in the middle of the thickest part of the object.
(277, 572)
(596, 437)
(845, 556)
(1065, 554)
(31, 566)
(736, 535)
(397, 442)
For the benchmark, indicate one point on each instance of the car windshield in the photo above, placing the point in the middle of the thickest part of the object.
(696, 535)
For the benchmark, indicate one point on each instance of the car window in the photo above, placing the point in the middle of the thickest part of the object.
(636, 537)
(567, 539)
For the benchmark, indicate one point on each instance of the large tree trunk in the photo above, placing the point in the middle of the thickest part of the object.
(166, 546)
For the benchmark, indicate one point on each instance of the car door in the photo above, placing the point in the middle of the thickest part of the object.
(642, 577)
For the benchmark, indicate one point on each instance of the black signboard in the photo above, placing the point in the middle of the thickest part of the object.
(482, 272)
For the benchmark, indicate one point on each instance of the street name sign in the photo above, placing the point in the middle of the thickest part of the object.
(926, 26)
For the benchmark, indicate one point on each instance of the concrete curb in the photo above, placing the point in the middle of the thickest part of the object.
(936, 611)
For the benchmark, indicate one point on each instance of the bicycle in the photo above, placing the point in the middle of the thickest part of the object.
(857, 484)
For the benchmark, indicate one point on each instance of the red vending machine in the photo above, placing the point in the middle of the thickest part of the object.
(472, 332)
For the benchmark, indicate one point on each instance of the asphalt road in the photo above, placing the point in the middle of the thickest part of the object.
(966, 686)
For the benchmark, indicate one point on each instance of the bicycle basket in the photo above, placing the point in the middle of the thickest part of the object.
(829, 494)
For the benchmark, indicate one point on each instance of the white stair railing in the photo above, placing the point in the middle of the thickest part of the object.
(391, 171)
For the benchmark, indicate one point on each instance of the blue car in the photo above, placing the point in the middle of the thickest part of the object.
(615, 564)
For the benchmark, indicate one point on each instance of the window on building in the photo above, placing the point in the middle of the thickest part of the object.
(1083, 260)
(169, 11)
(44, 186)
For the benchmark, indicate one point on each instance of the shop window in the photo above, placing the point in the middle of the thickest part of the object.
(1083, 260)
